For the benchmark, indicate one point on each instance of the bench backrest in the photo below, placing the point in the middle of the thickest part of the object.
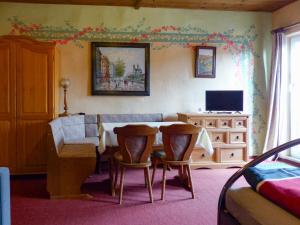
(119, 118)
(72, 128)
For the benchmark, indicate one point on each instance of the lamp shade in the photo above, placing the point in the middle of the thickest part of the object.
(64, 82)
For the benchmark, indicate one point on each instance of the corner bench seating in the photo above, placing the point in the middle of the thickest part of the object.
(72, 150)
(71, 154)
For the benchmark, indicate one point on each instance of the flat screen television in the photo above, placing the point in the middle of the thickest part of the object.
(224, 101)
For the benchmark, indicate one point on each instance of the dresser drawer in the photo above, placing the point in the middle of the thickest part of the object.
(196, 122)
(225, 123)
(200, 155)
(211, 123)
(231, 154)
(218, 137)
(240, 122)
(237, 137)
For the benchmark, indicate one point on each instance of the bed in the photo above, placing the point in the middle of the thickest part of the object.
(254, 205)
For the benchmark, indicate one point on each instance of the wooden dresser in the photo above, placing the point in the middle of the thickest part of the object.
(27, 102)
(229, 137)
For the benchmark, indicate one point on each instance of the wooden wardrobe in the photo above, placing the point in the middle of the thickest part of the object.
(27, 69)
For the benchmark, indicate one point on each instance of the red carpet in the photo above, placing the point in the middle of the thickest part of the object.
(30, 205)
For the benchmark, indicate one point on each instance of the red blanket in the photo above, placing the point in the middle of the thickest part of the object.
(281, 186)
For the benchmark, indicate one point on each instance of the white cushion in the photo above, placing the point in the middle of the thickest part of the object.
(73, 127)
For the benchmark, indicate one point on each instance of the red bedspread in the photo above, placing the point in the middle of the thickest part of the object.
(282, 186)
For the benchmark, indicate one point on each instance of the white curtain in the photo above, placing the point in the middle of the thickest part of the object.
(278, 124)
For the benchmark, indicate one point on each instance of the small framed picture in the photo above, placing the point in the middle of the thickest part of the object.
(205, 62)
(120, 68)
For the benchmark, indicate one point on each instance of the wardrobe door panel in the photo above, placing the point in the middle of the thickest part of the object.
(7, 106)
(35, 74)
(34, 81)
(32, 137)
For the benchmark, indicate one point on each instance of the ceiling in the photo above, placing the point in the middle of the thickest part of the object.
(234, 5)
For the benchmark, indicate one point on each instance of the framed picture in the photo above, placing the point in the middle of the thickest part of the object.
(120, 68)
(205, 62)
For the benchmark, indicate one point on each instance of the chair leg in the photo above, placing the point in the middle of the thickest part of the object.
(190, 179)
(111, 176)
(147, 173)
(145, 178)
(121, 184)
(164, 182)
(116, 176)
(154, 170)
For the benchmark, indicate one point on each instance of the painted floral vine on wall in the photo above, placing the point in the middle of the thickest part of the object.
(159, 36)
(239, 46)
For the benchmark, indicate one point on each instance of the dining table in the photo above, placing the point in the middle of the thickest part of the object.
(109, 143)
(108, 139)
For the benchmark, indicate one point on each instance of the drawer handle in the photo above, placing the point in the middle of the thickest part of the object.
(237, 137)
(217, 138)
(210, 124)
(240, 123)
(232, 154)
(196, 123)
(203, 155)
(224, 124)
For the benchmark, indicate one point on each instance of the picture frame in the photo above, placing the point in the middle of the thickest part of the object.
(120, 69)
(205, 63)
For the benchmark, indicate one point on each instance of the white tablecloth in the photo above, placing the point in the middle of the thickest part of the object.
(108, 138)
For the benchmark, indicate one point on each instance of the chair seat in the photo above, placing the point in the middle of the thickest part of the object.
(87, 140)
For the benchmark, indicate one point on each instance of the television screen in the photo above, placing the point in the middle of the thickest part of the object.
(224, 100)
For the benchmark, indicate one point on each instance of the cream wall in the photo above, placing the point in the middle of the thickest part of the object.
(287, 15)
(243, 54)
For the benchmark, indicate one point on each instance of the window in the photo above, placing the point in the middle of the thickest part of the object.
(294, 93)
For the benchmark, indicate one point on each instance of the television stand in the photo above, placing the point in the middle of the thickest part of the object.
(229, 137)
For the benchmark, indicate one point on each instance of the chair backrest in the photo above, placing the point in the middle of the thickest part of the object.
(135, 142)
(179, 141)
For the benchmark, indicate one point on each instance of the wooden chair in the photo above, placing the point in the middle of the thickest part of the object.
(179, 141)
(135, 146)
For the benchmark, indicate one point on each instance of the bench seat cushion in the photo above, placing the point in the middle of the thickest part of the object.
(87, 140)
(78, 151)
(250, 208)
